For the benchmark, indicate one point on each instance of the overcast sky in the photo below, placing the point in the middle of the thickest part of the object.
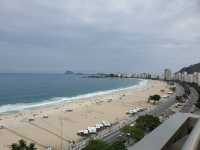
(98, 35)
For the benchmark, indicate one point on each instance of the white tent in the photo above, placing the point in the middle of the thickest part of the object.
(92, 130)
(106, 124)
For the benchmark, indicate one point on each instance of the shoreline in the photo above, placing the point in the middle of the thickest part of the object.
(15, 108)
(85, 112)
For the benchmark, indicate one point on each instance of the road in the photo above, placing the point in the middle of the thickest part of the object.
(113, 133)
(155, 111)
(191, 101)
(171, 101)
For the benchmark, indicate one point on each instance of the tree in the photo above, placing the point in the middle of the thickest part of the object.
(136, 133)
(21, 145)
(154, 98)
(118, 145)
(97, 145)
(14, 147)
(147, 122)
(32, 146)
(102, 145)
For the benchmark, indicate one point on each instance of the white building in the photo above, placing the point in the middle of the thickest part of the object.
(184, 76)
(190, 78)
(198, 74)
(167, 74)
(178, 76)
(195, 77)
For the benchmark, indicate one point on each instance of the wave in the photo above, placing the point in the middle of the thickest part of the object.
(23, 106)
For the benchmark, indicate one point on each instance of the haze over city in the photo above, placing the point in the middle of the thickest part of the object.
(98, 35)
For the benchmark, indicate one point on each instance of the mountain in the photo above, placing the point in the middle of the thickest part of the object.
(68, 72)
(191, 69)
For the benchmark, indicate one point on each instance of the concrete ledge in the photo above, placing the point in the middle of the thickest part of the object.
(167, 133)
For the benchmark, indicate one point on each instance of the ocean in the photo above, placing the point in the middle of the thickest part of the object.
(23, 91)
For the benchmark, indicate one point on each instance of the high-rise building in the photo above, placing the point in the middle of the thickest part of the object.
(179, 76)
(190, 78)
(167, 74)
(195, 77)
(198, 74)
(184, 76)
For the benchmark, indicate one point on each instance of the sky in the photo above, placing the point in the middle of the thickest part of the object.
(48, 36)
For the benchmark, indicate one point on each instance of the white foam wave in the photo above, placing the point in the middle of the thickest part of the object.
(57, 100)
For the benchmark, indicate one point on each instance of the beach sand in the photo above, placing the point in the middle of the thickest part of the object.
(61, 126)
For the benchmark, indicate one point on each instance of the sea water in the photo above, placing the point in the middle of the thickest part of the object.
(23, 91)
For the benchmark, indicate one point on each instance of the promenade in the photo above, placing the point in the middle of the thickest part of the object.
(113, 133)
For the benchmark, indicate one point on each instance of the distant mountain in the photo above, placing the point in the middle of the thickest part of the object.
(68, 72)
(191, 69)
(103, 75)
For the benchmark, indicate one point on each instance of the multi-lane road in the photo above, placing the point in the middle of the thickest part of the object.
(170, 101)
(114, 132)
(188, 107)
(155, 111)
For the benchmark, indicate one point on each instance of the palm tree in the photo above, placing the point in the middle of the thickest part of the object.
(14, 147)
(21, 145)
(32, 146)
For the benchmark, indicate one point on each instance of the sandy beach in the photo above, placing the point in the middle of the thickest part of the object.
(80, 115)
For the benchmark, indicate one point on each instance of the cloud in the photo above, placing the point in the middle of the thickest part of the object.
(98, 35)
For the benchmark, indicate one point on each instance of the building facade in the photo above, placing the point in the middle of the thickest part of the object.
(167, 74)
